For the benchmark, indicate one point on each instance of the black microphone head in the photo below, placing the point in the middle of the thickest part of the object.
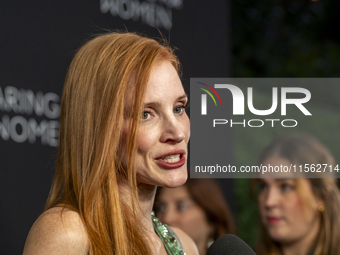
(230, 245)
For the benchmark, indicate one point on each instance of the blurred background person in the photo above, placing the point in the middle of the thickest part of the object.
(298, 216)
(283, 39)
(198, 208)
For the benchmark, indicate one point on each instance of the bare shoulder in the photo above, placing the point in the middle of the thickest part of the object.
(188, 244)
(57, 231)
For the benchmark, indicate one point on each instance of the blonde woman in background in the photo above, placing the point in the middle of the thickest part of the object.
(298, 216)
(123, 132)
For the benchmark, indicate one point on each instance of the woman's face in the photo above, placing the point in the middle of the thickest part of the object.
(176, 208)
(283, 213)
(164, 130)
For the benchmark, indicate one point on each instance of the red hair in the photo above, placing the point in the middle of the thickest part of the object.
(89, 167)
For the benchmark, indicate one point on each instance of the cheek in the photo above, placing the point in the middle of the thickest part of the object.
(146, 139)
(301, 214)
(187, 127)
(261, 204)
(294, 208)
(195, 220)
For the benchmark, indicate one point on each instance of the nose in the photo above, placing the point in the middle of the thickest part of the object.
(174, 130)
(272, 198)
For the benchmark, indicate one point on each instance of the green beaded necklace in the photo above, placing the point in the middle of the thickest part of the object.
(169, 239)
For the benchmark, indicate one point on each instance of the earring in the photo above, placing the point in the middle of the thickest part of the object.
(321, 208)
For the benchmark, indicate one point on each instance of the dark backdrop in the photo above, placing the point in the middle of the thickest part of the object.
(38, 41)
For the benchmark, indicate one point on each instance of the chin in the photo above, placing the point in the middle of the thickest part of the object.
(278, 236)
(177, 179)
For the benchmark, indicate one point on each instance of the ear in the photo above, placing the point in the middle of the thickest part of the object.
(319, 204)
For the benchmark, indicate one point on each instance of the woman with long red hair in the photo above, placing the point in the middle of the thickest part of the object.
(123, 132)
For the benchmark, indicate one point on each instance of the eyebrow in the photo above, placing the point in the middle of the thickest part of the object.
(282, 180)
(185, 199)
(185, 96)
(276, 180)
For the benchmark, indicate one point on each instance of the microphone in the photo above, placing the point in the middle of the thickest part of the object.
(230, 245)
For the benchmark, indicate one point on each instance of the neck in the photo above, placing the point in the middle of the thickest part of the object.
(146, 196)
(202, 247)
(302, 246)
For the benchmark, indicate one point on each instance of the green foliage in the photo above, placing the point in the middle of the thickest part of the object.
(285, 39)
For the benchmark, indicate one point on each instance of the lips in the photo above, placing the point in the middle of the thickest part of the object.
(172, 160)
(273, 220)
